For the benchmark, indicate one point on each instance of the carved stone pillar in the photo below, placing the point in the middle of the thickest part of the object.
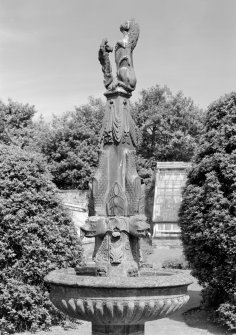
(116, 204)
(105, 294)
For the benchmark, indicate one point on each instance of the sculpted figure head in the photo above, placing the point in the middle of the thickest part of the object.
(125, 75)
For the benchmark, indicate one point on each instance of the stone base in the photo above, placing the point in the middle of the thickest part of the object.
(118, 329)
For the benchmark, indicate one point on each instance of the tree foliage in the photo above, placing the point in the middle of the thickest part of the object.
(16, 125)
(208, 211)
(169, 126)
(71, 145)
(36, 236)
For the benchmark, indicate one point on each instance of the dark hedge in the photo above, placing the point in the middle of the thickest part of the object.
(208, 211)
(36, 236)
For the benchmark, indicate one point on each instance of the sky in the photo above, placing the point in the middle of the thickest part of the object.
(49, 49)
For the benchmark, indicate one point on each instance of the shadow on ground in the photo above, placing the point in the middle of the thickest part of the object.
(194, 317)
(190, 320)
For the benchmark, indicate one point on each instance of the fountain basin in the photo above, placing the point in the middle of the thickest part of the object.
(118, 301)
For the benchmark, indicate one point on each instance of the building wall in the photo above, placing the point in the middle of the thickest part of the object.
(170, 179)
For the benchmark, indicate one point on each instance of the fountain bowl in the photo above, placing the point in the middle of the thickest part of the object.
(120, 301)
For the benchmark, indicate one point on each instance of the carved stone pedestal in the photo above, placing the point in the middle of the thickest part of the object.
(118, 329)
(116, 203)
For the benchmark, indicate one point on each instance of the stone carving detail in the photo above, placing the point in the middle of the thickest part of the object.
(118, 125)
(116, 201)
(130, 197)
(124, 55)
(101, 271)
(142, 200)
(135, 246)
(99, 185)
(123, 310)
(102, 255)
(126, 78)
(103, 56)
(116, 197)
(116, 247)
(129, 128)
(91, 205)
(133, 184)
(99, 226)
(116, 242)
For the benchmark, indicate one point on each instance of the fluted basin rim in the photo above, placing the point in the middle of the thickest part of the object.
(68, 277)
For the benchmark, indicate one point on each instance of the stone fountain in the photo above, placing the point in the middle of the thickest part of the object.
(116, 294)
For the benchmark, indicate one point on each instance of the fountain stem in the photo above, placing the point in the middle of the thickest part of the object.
(116, 204)
(118, 329)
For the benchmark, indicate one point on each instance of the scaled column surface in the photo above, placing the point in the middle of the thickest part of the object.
(116, 201)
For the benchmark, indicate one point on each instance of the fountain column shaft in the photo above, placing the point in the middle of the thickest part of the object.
(118, 329)
(116, 202)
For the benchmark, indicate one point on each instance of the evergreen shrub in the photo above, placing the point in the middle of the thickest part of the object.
(36, 236)
(208, 211)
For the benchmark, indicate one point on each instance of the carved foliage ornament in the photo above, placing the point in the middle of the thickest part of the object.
(118, 125)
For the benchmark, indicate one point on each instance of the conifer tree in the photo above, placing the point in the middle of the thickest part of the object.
(208, 211)
(36, 236)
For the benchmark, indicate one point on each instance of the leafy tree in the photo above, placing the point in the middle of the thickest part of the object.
(36, 236)
(71, 145)
(16, 125)
(208, 211)
(169, 126)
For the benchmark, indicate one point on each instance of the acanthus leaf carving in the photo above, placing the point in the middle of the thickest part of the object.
(118, 125)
